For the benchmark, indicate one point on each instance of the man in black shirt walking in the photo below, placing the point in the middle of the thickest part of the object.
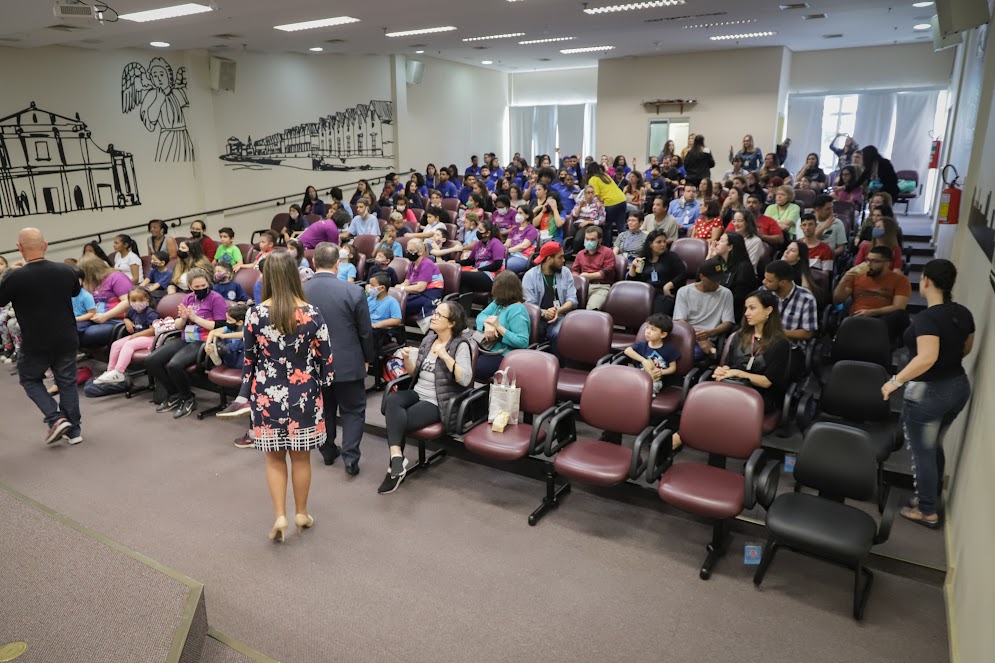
(41, 292)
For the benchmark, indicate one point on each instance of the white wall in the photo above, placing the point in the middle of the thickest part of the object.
(729, 103)
(871, 68)
(562, 86)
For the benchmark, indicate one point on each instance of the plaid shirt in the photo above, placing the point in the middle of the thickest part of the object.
(799, 311)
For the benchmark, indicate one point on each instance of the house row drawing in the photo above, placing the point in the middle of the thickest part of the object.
(49, 164)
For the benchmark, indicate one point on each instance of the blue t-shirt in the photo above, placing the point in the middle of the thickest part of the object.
(347, 271)
(142, 320)
(83, 303)
(383, 309)
(661, 357)
(231, 291)
(162, 278)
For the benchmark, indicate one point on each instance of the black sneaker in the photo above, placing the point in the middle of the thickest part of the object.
(56, 430)
(169, 404)
(185, 408)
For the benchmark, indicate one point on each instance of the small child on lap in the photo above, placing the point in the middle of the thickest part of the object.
(138, 321)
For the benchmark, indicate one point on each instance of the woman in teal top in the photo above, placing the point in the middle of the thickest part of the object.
(504, 324)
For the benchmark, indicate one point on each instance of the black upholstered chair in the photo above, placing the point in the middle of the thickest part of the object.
(862, 338)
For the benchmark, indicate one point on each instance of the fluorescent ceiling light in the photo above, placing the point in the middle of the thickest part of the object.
(506, 36)
(486, 62)
(719, 24)
(586, 49)
(419, 52)
(316, 49)
(745, 35)
(165, 12)
(320, 23)
(633, 5)
(921, 4)
(545, 41)
(423, 31)
(921, 26)
(159, 44)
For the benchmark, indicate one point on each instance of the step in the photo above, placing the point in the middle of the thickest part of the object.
(917, 303)
(220, 648)
(913, 237)
(919, 248)
(914, 279)
(917, 263)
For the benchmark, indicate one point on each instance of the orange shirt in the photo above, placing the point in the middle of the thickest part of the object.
(871, 293)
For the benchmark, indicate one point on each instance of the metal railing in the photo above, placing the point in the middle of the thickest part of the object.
(175, 221)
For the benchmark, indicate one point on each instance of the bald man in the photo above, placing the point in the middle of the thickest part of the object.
(41, 292)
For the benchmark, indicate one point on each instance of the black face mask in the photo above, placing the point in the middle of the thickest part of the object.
(202, 294)
(182, 254)
(196, 233)
(411, 255)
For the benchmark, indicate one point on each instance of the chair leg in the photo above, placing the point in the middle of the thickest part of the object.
(862, 580)
(716, 549)
(426, 460)
(552, 498)
(217, 408)
(765, 560)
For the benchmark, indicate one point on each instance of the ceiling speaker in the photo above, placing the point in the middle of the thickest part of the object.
(415, 70)
(222, 75)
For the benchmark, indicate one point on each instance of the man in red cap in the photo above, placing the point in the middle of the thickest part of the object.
(550, 286)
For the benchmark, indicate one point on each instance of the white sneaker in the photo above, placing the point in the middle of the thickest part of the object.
(104, 377)
(73, 440)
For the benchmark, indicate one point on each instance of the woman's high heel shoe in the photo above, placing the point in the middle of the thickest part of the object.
(304, 521)
(279, 531)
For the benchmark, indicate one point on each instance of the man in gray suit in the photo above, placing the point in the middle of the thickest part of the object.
(343, 306)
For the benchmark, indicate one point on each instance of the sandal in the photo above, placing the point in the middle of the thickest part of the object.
(920, 518)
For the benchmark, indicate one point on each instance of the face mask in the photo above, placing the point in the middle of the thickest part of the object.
(202, 294)
(590, 244)
(195, 233)
(400, 208)
(371, 291)
(138, 307)
(294, 215)
(220, 277)
(293, 254)
(411, 255)
(156, 265)
(520, 218)
(502, 210)
(878, 233)
(182, 254)
(314, 196)
(343, 258)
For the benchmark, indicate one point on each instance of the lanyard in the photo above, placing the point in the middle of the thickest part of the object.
(553, 285)
(753, 354)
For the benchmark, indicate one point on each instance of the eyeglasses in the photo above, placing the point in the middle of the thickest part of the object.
(437, 315)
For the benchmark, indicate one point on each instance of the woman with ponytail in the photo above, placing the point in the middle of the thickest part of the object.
(127, 259)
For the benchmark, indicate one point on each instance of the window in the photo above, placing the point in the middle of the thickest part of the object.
(839, 116)
(41, 151)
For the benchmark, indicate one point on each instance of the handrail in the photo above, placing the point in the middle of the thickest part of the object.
(175, 221)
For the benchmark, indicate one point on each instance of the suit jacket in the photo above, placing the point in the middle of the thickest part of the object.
(343, 306)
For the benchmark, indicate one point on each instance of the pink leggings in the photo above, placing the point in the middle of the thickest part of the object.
(123, 349)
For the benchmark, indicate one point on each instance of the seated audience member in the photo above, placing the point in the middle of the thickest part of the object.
(759, 356)
(402, 208)
(767, 228)
(478, 203)
(654, 163)
(225, 345)
(93, 248)
(737, 169)
(661, 268)
(296, 249)
(796, 254)
(848, 187)
(568, 191)
(503, 215)
(466, 237)
(740, 276)
(437, 241)
(630, 241)
(424, 282)
(337, 198)
(588, 212)
(362, 189)
(884, 235)
(381, 265)
(127, 260)
(347, 264)
(707, 191)
(820, 255)
(84, 306)
(446, 188)
(743, 224)
(707, 306)
(634, 193)
(267, 242)
(797, 307)
(198, 232)
(159, 277)
(596, 265)
(312, 204)
(503, 325)
(516, 197)
(550, 286)
(814, 176)
(654, 185)
(877, 291)
(138, 323)
(522, 241)
(326, 230)
(732, 204)
(660, 219)
(546, 215)
(363, 223)
(485, 261)
(750, 155)
(772, 168)
(651, 354)
(201, 311)
(227, 252)
(385, 311)
(709, 224)
(435, 218)
(110, 289)
(467, 190)
(829, 229)
(784, 210)
(473, 168)
(879, 209)
(230, 290)
(671, 177)
(754, 187)
(441, 372)
(295, 225)
(389, 240)
(685, 209)
(159, 240)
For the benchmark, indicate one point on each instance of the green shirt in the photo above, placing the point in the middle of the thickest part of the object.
(228, 254)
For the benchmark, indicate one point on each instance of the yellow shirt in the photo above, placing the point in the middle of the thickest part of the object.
(609, 194)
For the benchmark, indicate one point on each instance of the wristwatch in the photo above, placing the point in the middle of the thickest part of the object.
(895, 381)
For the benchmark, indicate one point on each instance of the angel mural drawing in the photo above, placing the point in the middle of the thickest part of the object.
(160, 99)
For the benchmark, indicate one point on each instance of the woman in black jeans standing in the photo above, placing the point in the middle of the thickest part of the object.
(936, 386)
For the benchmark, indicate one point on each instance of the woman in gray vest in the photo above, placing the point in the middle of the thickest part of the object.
(440, 369)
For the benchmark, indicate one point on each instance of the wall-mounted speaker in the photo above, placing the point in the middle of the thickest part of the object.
(939, 41)
(954, 16)
(222, 74)
(414, 71)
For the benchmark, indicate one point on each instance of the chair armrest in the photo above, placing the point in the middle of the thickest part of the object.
(119, 331)
(464, 403)
(787, 407)
(539, 347)
(706, 376)
(619, 359)
(161, 339)
(808, 406)
(751, 474)
(888, 517)
(693, 377)
(767, 483)
(395, 384)
(604, 360)
(661, 455)
(562, 430)
(638, 464)
(541, 421)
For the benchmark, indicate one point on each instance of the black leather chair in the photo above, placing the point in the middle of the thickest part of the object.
(863, 339)
(839, 463)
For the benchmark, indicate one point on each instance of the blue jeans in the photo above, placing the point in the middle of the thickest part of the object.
(31, 368)
(550, 332)
(518, 263)
(98, 335)
(423, 303)
(930, 408)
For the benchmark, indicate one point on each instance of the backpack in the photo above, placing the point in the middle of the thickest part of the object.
(94, 390)
(393, 367)
(83, 374)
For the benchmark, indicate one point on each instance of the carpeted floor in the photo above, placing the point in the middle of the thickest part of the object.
(446, 569)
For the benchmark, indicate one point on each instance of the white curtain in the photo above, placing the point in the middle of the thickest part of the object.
(590, 111)
(876, 121)
(914, 114)
(570, 128)
(522, 127)
(545, 130)
(804, 128)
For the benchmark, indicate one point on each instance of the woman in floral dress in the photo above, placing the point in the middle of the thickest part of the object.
(287, 361)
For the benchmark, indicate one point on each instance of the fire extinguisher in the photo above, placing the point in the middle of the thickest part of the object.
(934, 152)
(949, 198)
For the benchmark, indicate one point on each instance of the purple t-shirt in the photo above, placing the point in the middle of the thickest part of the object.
(318, 232)
(487, 253)
(111, 291)
(519, 235)
(505, 221)
(426, 272)
(212, 307)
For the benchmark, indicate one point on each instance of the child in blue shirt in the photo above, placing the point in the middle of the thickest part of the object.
(84, 306)
(158, 277)
(224, 286)
(652, 355)
(226, 345)
(347, 270)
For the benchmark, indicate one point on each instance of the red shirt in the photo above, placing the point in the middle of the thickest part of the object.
(765, 226)
(210, 247)
(871, 293)
(703, 227)
(820, 256)
(602, 260)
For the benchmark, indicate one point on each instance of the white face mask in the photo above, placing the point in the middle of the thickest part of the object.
(502, 210)
(519, 218)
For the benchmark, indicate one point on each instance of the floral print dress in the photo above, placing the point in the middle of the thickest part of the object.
(282, 378)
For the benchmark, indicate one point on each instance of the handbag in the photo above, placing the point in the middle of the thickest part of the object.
(505, 397)
(162, 325)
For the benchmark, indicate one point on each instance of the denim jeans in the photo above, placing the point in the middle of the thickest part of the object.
(930, 408)
(32, 367)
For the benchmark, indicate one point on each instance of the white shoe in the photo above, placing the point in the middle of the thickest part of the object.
(73, 440)
(106, 376)
(117, 376)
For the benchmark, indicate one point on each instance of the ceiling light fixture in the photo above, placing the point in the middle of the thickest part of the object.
(159, 44)
(175, 11)
(719, 24)
(423, 31)
(745, 35)
(319, 23)
(316, 49)
(921, 26)
(633, 5)
(419, 52)
(486, 62)
(506, 36)
(921, 4)
(586, 49)
(545, 41)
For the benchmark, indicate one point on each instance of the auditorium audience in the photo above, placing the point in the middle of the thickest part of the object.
(347, 264)
(743, 223)
(709, 224)
(707, 306)
(159, 240)
(295, 225)
(630, 243)
(815, 176)
(661, 268)
(546, 214)
(686, 208)
(596, 265)
(784, 210)
(829, 228)
(749, 155)
(229, 290)
(698, 161)
(325, 230)
(198, 232)
(159, 277)
(363, 223)
(424, 281)
(138, 323)
(740, 275)
(820, 255)
(877, 291)
(884, 234)
(732, 204)
(550, 286)
(485, 261)
(879, 175)
(797, 307)
(589, 211)
(611, 197)
(267, 243)
(381, 265)
(502, 326)
(227, 252)
(312, 204)
(127, 260)
(84, 306)
(848, 188)
(110, 289)
(522, 241)
(796, 254)
(93, 248)
(656, 358)
(190, 255)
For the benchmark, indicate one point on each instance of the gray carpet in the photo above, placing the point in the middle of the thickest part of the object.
(446, 569)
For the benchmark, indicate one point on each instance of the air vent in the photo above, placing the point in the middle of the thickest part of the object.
(545, 59)
(10, 40)
(226, 36)
(833, 36)
(794, 5)
(335, 41)
(813, 17)
(684, 18)
(74, 11)
(67, 28)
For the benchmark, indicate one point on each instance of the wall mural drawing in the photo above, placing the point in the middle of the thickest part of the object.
(49, 164)
(160, 99)
(355, 138)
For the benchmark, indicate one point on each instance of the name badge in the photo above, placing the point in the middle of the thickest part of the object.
(654, 277)
(749, 364)
(556, 303)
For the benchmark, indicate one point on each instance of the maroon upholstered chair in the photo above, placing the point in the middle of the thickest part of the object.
(400, 266)
(245, 249)
(452, 215)
(450, 204)
(804, 198)
(451, 276)
(670, 400)
(361, 267)
(692, 251)
(412, 226)
(228, 381)
(147, 265)
(247, 278)
(772, 421)
(536, 374)
(365, 244)
(403, 241)
(585, 341)
(419, 213)
(629, 303)
(277, 225)
(621, 267)
(312, 218)
(582, 287)
(709, 489)
(535, 318)
(451, 228)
